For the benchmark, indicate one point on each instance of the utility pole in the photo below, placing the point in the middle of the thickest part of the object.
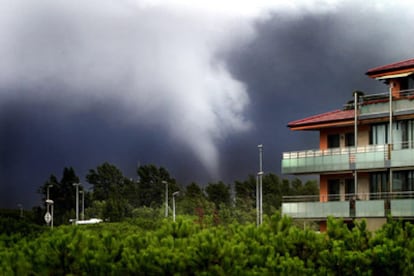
(166, 197)
(260, 175)
(77, 200)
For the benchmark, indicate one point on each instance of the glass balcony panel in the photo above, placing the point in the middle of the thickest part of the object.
(338, 159)
(402, 207)
(402, 158)
(316, 163)
(369, 208)
(370, 159)
(316, 209)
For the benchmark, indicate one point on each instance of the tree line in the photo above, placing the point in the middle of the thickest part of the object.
(114, 197)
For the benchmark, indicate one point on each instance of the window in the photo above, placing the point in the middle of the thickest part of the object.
(349, 140)
(403, 134)
(333, 141)
(379, 134)
(349, 188)
(403, 181)
(333, 190)
(378, 185)
(407, 83)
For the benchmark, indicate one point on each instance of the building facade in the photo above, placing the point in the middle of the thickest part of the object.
(365, 159)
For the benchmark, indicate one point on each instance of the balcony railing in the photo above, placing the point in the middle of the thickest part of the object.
(377, 103)
(397, 204)
(348, 158)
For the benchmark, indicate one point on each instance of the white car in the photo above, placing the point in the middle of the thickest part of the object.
(89, 221)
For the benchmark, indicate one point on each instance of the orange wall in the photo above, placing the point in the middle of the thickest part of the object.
(396, 87)
(323, 184)
(363, 135)
(322, 226)
(323, 135)
(323, 188)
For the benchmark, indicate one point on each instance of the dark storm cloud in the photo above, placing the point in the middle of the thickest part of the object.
(83, 83)
(304, 63)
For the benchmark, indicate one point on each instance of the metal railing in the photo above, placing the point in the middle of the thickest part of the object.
(345, 197)
(348, 150)
(334, 151)
(384, 96)
(397, 204)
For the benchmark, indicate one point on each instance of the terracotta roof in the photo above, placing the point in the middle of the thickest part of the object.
(328, 117)
(391, 67)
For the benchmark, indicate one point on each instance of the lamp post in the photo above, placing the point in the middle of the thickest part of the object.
(390, 135)
(257, 201)
(173, 195)
(50, 202)
(260, 174)
(166, 197)
(47, 195)
(47, 191)
(21, 209)
(83, 205)
(357, 94)
(77, 200)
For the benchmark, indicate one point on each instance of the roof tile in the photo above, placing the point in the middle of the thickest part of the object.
(392, 66)
(336, 115)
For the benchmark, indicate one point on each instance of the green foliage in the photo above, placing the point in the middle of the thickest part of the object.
(107, 180)
(151, 186)
(115, 197)
(218, 193)
(114, 193)
(274, 189)
(277, 247)
(63, 194)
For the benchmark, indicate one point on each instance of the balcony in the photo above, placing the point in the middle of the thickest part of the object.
(307, 207)
(346, 159)
(377, 105)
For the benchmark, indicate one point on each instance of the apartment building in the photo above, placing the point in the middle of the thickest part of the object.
(365, 159)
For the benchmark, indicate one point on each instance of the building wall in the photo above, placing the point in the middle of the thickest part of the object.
(373, 224)
(363, 186)
(363, 135)
(323, 188)
(395, 88)
(323, 135)
(323, 185)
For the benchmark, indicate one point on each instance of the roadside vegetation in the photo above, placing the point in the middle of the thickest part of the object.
(215, 232)
(158, 246)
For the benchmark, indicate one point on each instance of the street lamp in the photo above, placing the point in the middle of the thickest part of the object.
(21, 209)
(166, 197)
(260, 184)
(173, 195)
(77, 200)
(47, 195)
(47, 218)
(47, 189)
(83, 205)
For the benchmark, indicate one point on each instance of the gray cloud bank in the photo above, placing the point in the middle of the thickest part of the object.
(156, 67)
(82, 83)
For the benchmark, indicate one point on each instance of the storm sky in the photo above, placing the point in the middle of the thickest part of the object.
(192, 88)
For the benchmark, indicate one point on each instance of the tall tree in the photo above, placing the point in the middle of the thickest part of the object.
(193, 200)
(106, 180)
(218, 193)
(112, 187)
(246, 193)
(63, 194)
(151, 186)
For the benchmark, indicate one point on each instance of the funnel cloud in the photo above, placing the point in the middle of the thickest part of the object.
(194, 90)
